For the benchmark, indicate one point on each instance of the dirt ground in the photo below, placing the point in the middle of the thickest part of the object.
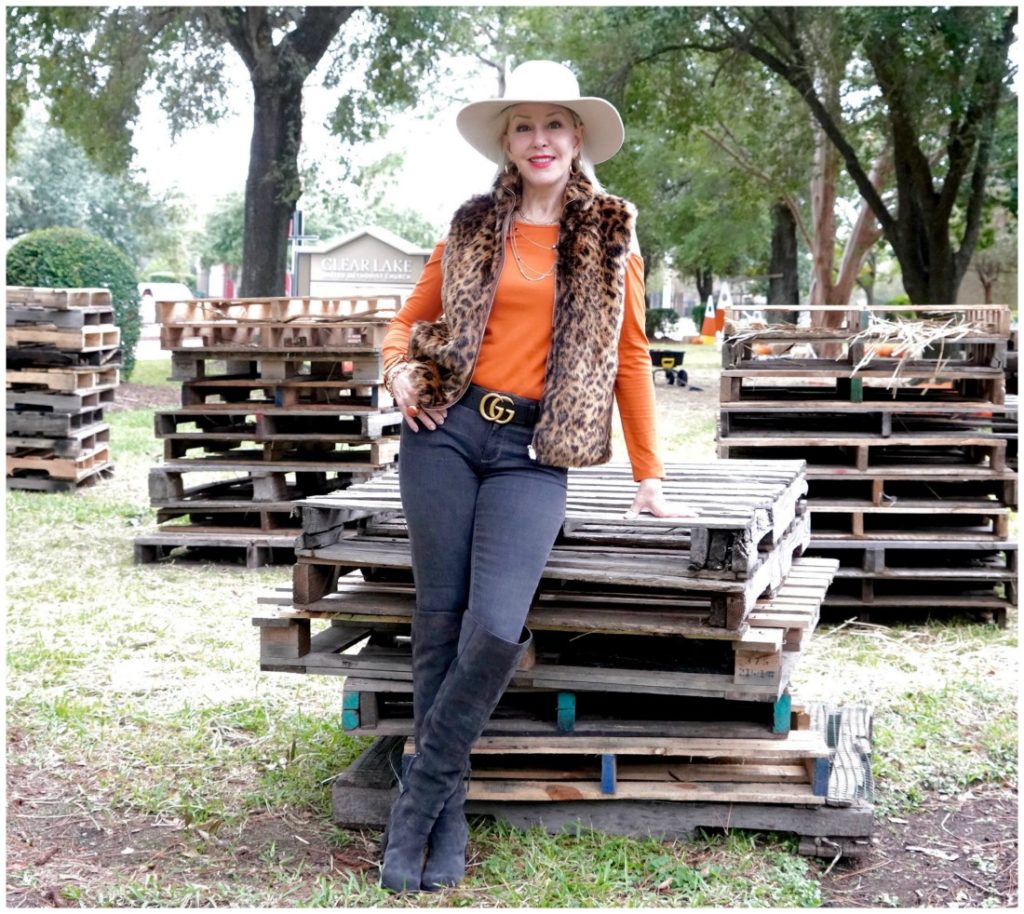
(953, 853)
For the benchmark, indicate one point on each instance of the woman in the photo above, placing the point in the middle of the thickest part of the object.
(541, 290)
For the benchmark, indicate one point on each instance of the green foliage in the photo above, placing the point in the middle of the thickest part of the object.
(51, 182)
(187, 279)
(71, 258)
(660, 322)
(340, 202)
(223, 233)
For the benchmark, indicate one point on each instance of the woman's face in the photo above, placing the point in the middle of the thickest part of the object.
(542, 141)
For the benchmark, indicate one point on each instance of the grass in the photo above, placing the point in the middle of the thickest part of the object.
(134, 695)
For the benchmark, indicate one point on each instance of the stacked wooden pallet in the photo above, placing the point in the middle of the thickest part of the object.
(906, 450)
(282, 398)
(62, 368)
(662, 654)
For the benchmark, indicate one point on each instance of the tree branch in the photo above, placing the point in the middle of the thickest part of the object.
(748, 166)
(797, 76)
(316, 30)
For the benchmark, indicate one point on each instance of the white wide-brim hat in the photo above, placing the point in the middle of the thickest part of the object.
(543, 81)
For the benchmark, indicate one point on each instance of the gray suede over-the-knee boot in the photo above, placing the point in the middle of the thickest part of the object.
(475, 682)
(435, 641)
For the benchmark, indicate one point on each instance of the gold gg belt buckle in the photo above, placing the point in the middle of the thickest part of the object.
(497, 408)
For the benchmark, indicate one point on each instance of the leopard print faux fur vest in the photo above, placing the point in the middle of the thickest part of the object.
(574, 429)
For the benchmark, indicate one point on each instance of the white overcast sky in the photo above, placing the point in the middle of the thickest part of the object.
(441, 169)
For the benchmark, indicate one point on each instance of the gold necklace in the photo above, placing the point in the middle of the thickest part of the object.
(524, 218)
(537, 244)
(524, 269)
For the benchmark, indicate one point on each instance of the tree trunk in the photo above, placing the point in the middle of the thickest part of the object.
(272, 187)
(823, 218)
(278, 72)
(784, 278)
(865, 233)
(705, 280)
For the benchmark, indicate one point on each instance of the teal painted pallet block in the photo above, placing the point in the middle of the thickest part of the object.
(350, 711)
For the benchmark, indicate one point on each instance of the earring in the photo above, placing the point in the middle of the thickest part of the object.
(576, 167)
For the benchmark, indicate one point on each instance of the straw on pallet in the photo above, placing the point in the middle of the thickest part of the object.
(911, 339)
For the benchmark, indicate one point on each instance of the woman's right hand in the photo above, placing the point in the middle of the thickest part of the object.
(404, 392)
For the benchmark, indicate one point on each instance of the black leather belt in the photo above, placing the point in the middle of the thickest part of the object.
(501, 408)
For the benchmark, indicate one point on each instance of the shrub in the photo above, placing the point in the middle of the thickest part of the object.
(661, 322)
(72, 258)
(186, 279)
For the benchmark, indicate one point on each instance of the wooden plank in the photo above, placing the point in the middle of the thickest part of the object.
(67, 379)
(82, 339)
(59, 298)
(694, 792)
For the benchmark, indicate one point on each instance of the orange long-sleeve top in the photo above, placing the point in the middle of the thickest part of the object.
(514, 352)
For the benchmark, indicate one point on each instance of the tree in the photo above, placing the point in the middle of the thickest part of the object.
(941, 76)
(51, 182)
(222, 237)
(92, 63)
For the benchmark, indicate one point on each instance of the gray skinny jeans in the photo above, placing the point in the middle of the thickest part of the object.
(482, 518)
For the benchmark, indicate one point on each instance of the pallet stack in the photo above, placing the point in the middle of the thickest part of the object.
(281, 399)
(62, 370)
(909, 481)
(659, 671)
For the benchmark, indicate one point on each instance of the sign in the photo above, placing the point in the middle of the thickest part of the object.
(366, 269)
(369, 258)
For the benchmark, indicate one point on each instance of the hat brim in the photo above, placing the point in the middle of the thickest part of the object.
(603, 133)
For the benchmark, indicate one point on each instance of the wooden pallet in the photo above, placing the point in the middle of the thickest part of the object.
(371, 707)
(918, 575)
(726, 600)
(47, 401)
(174, 542)
(301, 333)
(84, 316)
(792, 609)
(60, 299)
(42, 357)
(239, 421)
(49, 424)
(893, 485)
(753, 502)
(749, 665)
(74, 469)
(984, 321)
(865, 451)
(76, 339)
(765, 417)
(321, 389)
(78, 378)
(281, 309)
(39, 483)
(362, 795)
(263, 497)
(359, 363)
(78, 442)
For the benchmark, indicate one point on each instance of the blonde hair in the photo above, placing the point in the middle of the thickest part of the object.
(586, 166)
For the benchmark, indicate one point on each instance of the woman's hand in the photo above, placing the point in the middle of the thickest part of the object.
(404, 393)
(649, 499)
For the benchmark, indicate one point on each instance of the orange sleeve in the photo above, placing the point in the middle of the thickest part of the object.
(423, 304)
(634, 383)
